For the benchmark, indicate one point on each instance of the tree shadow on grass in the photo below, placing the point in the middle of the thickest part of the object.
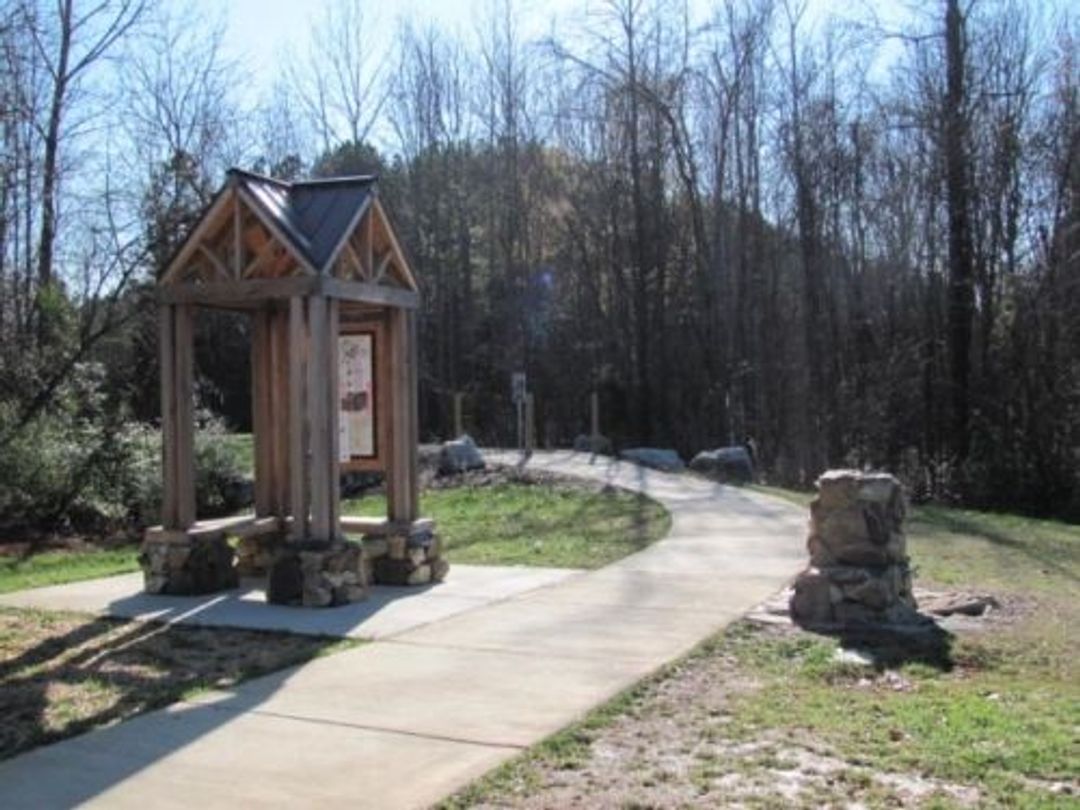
(957, 523)
(890, 646)
(104, 670)
(594, 512)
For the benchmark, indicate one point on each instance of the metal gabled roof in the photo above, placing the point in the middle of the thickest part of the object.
(315, 216)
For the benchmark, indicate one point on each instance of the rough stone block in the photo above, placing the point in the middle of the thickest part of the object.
(195, 565)
(812, 600)
(319, 577)
(255, 554)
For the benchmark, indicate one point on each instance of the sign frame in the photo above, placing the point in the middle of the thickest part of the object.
(381, 395)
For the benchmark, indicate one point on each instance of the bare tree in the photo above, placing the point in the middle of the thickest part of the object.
(341, 79)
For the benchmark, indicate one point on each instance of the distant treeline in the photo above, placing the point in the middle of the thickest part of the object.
(858, 246)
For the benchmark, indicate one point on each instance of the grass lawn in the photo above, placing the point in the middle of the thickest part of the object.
(767, 717)
(503, 524)
(64, 673)
(535, 524)
(18, 572)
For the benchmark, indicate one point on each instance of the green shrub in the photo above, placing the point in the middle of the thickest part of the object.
(80, 467)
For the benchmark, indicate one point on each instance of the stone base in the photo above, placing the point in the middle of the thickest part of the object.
(255, 554)
(844, 595)
(188, 565)
(414, 558)
(325, 576)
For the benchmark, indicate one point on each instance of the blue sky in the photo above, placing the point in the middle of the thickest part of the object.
(259, 29)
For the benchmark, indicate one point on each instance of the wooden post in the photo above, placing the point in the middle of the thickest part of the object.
(459, 428)
(183, 350)
(401, 475)
(166, 330)
(413, 400)
(261, 414)
(317, 415)
(530, 427)
(333, 404)
(297, 420)
(279, 396)
(594, 421)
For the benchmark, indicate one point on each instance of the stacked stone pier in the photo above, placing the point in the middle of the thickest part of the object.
(859, 572)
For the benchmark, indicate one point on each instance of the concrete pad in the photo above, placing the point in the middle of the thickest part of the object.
(387, 610)
(206, 757)
(479, 696)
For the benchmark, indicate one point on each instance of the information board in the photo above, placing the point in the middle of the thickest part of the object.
(356, 382)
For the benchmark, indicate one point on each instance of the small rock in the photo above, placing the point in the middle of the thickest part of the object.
(725, 464)
(665, 460)
(965, 604)
(600, 445)
(860, 658)
(460, 455)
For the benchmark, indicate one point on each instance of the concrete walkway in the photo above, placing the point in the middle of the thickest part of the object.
(387, 611)
(407, 719)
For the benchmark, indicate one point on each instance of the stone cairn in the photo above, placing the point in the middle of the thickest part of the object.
(859, 572)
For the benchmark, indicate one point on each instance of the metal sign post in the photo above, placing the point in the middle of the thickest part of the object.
(517, 393)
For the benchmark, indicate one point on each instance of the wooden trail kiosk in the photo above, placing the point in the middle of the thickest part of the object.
(332, 300)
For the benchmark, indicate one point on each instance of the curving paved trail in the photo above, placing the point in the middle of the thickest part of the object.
(408, 719)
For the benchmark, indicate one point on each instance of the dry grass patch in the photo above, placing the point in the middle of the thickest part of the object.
(64, 673)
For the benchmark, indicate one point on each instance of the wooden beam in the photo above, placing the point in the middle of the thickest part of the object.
(238, 239)
(246, 525)
(403, 262)
(384, 263)
(183, 392)
(205, 227)
(272, 227)
(166, 329)
(369, 238)
(380, 527)
(367, 292)
(248, 292)
(265, 251)
(228, 293)
(218, 265)
(297, 420)
(354, 259)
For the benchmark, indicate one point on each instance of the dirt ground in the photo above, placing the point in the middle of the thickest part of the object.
(672, 744)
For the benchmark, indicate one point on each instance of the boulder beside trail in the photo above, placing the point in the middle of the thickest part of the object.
(460, 455)
(656, 458)
(729, 465)
(584, 443)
